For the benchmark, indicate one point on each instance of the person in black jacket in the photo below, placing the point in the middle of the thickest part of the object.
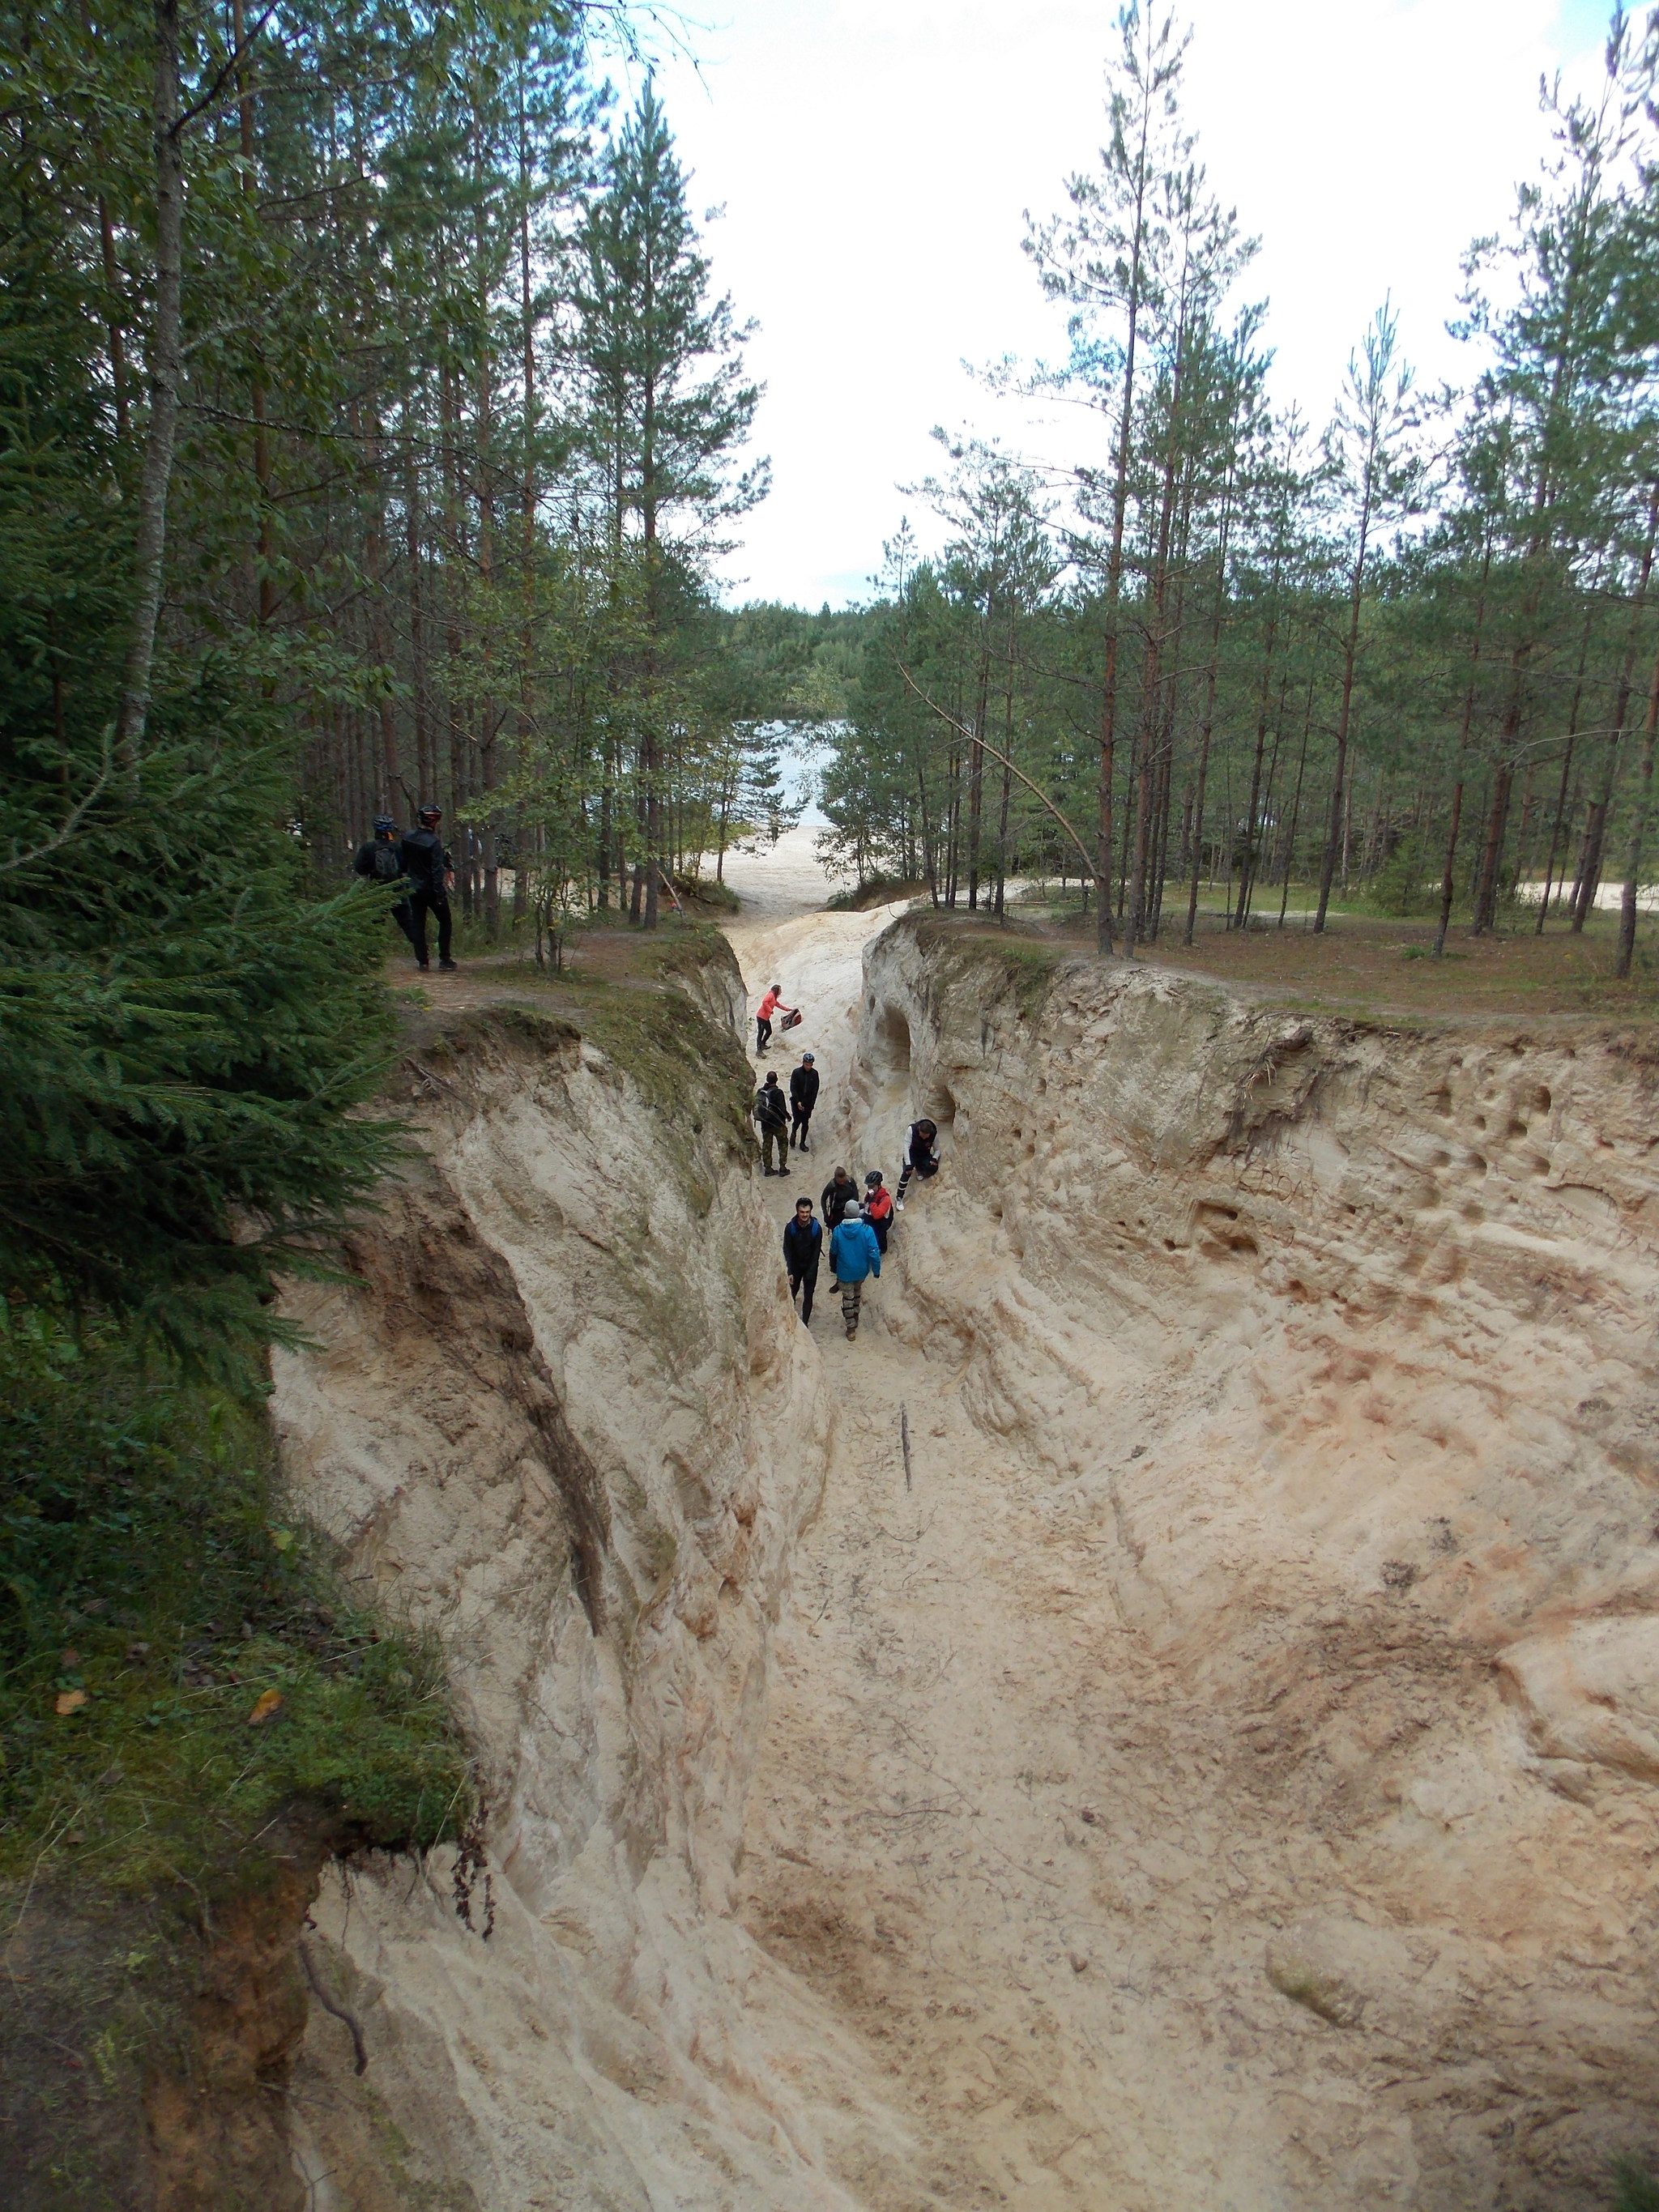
(803, 1248)
(381, 862)
(772, 1112)
(839, 1193)
(920, 1157)
(802, 1098)
(426, 863)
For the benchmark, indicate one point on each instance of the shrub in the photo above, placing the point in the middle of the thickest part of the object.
(155, 1597)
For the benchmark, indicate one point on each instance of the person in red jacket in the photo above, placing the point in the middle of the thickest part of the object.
(770, 1004)
(877, 1206)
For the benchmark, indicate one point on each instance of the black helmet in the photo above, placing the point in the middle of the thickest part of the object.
(383, 825)
(872, 1179)
(429, 815)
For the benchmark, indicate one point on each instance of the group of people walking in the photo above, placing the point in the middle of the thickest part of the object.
(855, 1223)
(419, 859)
(785, 1118)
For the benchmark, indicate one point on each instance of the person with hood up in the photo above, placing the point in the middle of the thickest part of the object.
(381, 862)
(772, 1112)
(802, 1098)
(877, 1206)
(770, 1004)
(854, 1255)
(803, 1248)
(920, 1156)
(837, 1194)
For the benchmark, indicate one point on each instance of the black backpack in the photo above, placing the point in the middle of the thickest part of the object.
(388, 861)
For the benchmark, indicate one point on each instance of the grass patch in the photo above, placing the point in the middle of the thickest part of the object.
(709, 892)
(1026, 965)
(875, 890)
(180, 1659)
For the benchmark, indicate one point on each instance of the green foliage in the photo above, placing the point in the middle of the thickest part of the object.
(154, 1594)
(183, 1030)
(1637, 2191)
(1404, 884)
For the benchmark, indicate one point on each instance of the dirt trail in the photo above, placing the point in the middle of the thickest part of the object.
(1155, 1783)
(922, 1840)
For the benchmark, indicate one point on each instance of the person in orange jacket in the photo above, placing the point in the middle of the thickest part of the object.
(877, 1206)
(770, 1004)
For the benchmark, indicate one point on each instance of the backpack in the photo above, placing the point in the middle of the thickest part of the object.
(791, 1020)
(388, 861)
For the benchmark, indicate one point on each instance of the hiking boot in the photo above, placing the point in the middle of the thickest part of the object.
(447, 967)
(852, 1332)
(423, 965)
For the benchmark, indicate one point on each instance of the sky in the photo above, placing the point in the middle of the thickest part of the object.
(874, 159)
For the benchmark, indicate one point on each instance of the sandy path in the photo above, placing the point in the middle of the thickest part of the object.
(922, 1845)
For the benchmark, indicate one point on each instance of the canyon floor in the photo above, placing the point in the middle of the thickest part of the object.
(968, 1763)
(1166, 1717)
(1035, 1854)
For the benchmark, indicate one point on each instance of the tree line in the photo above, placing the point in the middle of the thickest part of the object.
(369, 424)
(1414, 657)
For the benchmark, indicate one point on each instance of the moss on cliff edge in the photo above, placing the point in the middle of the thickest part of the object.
(965, 949)
(184, 1678)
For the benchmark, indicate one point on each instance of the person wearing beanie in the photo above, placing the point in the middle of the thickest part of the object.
(839, 1193)
(854, 1255)
(802, 1098)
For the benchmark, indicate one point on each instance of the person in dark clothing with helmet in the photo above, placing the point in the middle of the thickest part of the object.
(772, 1112)
(381, 862)
(920, 1156)
(802, 1098)
(803, 1248)
(877, 1206)
(426, 863)
(838, 1194)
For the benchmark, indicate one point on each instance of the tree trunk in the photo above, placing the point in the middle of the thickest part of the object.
(151, 536)
(1638, 832)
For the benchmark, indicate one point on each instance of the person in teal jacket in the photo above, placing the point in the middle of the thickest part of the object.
(853, 1254)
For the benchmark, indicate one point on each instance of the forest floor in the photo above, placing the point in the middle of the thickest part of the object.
(1380, 964)
(1364, 964)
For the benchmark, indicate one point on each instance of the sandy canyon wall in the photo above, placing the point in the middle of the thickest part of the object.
(1338, 1346)
(566, 1423)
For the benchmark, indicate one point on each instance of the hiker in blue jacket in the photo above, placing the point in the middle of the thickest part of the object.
(854, 1255)
(803, 1248)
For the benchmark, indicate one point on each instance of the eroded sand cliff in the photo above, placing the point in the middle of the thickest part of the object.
(1218, 1772)
(1241, 1739)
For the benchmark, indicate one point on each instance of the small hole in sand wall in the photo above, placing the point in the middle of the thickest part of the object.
(891, 1051)
(940, 1107)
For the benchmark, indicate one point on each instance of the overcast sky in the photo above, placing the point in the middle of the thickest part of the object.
(874, 159)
